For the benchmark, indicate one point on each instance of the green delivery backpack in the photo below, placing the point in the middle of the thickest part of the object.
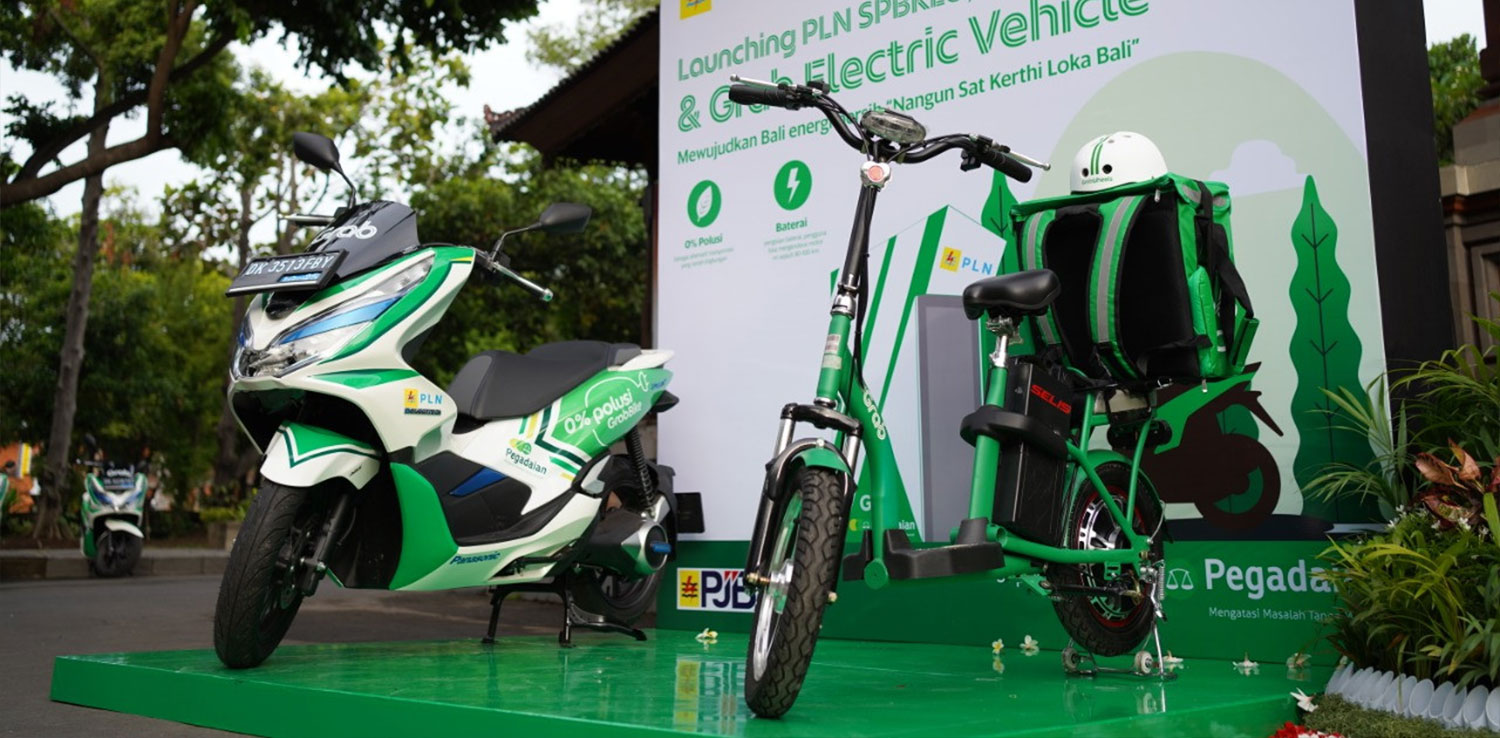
(1149, 287)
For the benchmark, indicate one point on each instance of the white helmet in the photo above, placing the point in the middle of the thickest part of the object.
(1115, 159)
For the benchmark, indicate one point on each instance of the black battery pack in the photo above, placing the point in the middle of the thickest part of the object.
(1029, 482)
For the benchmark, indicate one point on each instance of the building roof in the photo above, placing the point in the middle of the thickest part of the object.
(605, 110)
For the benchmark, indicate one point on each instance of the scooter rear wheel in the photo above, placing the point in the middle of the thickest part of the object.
(789, 609)
(258, 597)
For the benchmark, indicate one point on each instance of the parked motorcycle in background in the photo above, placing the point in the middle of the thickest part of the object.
(114, 500)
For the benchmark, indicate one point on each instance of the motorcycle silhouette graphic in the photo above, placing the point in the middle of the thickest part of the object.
(1213, 467)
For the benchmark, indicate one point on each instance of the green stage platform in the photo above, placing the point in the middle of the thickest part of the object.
(669, 685)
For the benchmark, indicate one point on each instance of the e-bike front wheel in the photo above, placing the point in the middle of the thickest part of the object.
(259, 596)
(789, 608)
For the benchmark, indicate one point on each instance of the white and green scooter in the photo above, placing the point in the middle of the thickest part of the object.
(114, 501)
(378, 478)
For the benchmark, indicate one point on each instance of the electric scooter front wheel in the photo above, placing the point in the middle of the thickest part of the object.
(789, 608)
(259, 596)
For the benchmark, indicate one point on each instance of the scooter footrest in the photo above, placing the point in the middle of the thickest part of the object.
(905, 562)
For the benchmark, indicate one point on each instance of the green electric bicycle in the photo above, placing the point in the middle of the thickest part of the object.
(1044, 508)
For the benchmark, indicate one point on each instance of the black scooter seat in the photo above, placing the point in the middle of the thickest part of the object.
(500, 384)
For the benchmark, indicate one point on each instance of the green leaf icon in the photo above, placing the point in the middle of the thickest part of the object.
(704, 203)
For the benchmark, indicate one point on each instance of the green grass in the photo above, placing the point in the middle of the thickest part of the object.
(1334, 714)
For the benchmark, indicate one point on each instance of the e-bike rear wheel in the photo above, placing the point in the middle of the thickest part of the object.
(259, 596)
(789, 608)
(1105, 624)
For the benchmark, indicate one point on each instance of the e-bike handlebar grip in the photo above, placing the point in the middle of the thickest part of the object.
(754, 95)
(994, 157)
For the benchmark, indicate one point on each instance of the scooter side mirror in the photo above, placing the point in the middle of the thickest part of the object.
(317, 150)
(564, 217)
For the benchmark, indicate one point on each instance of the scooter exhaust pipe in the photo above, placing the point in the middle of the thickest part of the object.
(627, 542)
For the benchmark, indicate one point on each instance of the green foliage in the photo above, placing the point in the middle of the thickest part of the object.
(1419, 601)
(154, 347)
(1385, 477)
(222, 514)
(567, 46)
(1453, 399)
(1453, 67)
(1335, 714)
(599, 276)
(1325, 352)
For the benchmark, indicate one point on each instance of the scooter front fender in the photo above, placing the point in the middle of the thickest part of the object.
(122, 526)
(305, 456)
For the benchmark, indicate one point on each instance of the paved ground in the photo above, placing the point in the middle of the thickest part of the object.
(67, 563)
(43, 619)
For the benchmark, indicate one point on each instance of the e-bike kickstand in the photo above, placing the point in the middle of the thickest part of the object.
(1082, 663)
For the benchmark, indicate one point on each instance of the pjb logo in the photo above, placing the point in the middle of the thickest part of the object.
(718, 590)
(690, 8)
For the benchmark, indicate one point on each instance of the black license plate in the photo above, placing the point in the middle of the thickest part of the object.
(288, 273)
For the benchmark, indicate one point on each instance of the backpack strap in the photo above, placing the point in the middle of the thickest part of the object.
(1213, 253)
(1033, 233)
(1104, 280)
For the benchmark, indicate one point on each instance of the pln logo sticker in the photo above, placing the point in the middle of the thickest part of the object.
(417, 402)
(691, 8)
(714, 590)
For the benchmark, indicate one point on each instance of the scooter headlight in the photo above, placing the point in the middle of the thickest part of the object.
(325, 333)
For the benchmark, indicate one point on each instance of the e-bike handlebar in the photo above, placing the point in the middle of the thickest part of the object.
(977, 149)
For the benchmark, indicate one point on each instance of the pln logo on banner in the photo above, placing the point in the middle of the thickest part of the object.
(953, 260)
(691, 8)
(714, 590)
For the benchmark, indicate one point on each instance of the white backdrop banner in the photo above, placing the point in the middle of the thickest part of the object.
(755, 207)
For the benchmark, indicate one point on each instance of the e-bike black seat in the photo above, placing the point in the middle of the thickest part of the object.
(1012, 295)
(500, 384)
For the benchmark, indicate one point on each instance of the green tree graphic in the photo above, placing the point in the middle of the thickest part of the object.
(1325, 352)
(995, 216)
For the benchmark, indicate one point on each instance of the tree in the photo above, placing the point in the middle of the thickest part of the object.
(159, 49)
(599, 276)
(155, 342)
(1454, 69)
(566, 46)
(165, 58)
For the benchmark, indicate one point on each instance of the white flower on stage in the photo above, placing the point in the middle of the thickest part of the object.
(1297, 660)
(1171, 662)
(997, 646)
(708, 637)
(1030, 646)
(1247, 667)
(1304, 701)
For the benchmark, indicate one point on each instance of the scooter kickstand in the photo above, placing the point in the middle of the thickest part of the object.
(573, 617)
(497, 596)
